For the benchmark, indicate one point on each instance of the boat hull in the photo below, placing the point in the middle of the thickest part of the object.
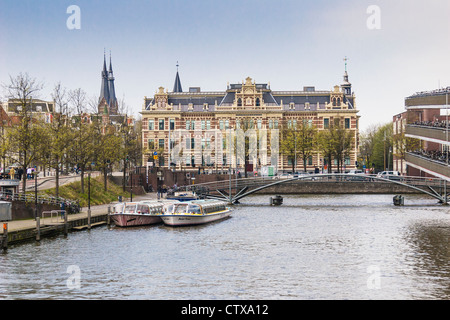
(133, 220)
(194, 219)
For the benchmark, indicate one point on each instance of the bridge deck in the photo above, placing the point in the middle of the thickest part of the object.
(234, 189)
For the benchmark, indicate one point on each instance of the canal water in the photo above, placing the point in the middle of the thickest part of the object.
(312, 247)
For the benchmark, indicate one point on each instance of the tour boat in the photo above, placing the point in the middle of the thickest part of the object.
(182, 196)
(140, 213)
(195, 212)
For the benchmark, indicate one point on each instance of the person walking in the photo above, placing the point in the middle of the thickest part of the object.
(12, 172)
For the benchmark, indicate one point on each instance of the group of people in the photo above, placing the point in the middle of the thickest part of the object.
(435, 123)
(433, 154)
(17, 173)
(162, 190)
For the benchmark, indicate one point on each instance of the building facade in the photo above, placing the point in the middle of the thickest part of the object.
(425, 121)
(197, 129)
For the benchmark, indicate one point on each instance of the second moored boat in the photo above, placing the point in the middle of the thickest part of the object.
(195, 212)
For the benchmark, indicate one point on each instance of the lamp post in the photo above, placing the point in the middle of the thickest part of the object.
(35, 194)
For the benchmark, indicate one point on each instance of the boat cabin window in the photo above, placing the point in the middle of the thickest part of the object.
(143, 209)
(193, 208)
(130, 208)
(177, 208)
(118, 208)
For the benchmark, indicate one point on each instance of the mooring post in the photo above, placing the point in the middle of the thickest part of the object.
(5, 237)
(89, 219)
(108, 217)
(66, 229)
(38, 229)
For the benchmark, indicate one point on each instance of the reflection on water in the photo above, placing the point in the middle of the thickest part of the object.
(312, 247)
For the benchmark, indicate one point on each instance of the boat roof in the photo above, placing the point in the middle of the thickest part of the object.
(205, 202)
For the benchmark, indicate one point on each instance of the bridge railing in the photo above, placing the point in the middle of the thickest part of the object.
(241, 183)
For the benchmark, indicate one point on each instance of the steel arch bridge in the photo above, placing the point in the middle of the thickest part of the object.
(233, 190)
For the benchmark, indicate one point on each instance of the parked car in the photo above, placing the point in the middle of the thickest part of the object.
(356, 171)
(391, 175)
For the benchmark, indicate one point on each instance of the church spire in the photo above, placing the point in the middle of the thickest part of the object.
(177, 85)
(113, 104)
(104, 90)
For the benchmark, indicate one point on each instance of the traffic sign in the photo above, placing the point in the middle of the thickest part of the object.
(155, 157)
(155, 153)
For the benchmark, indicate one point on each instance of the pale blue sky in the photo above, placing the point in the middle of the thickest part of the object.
(289, 43)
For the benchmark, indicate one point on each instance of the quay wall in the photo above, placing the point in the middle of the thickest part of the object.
(354, 187)
(27, 234)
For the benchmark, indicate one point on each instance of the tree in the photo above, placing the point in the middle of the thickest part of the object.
(59, 132)
(80, 135)
(23, 137)
(366, 146)
(298, 141)
(335, 143)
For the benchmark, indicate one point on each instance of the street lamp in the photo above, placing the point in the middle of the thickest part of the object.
(35, 194)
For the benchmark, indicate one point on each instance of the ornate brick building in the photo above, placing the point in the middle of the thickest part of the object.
(192, 129)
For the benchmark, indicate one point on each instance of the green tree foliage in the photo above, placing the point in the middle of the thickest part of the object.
(298, 142)
(24, 137)
(335, 143)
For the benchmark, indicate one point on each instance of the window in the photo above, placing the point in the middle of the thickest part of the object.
(310, 161)
(239, 102)
(276, 124)
(347, 161)
(270, 124)
(203, 124)
(192, 125)
(208, 124)
(161, 124)
(188, 125)
(192, 143)
(151, 124)
(172, 124)
(161, 143)
(151, 144)
(221, 125)
(326, 123)
(227, 124)
(259, 124)
(188, 143)
(347, 123)
(258, 102)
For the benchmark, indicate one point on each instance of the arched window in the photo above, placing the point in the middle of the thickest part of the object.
(239, 103)
(334, 101)
(258, 102)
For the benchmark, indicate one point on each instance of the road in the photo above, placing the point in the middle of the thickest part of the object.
(49, 182)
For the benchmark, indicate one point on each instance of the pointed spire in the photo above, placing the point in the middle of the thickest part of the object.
(104, 91)
(177, 85)
(113, 104)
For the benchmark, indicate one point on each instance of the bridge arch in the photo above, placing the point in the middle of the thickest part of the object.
(416, 183)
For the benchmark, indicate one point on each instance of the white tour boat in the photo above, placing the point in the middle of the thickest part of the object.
(127, 214)
(195, 212)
